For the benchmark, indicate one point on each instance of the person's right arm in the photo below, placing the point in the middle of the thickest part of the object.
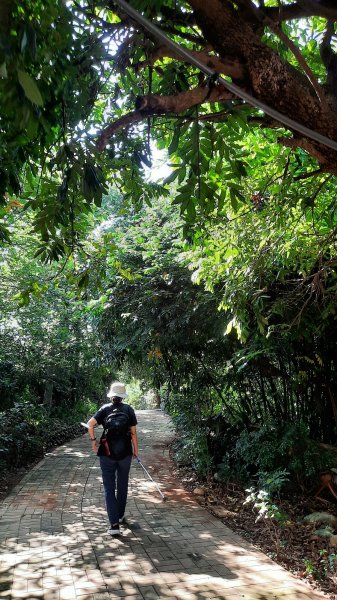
(91, 424)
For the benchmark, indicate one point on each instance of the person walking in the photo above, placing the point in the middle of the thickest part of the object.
(117, 446)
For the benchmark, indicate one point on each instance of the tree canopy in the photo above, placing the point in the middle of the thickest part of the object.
(85, 93)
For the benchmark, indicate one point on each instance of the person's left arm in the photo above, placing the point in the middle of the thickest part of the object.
(133, 431)
(134, 440)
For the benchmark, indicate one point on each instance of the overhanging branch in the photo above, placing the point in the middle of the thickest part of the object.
(300, 10)
(232, 68)
(123, 123)
(156, 105)
(312, 148)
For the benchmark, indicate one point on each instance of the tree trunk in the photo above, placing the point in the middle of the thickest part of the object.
(48, 395)
(157, 399)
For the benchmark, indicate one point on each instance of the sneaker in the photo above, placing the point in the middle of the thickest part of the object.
(122, 520)
(113, 529)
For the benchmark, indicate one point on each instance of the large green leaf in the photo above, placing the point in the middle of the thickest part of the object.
(30, 88)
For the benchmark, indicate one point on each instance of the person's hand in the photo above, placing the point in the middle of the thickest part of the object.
(94, 446)
(135, 454)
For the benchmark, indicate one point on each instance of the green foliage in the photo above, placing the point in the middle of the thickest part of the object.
(29, 433)
(125, 303)
(71, 415)
(191, 449)
(151, 322)
(272, 482)
(274, 452)
(326, 567)
(309, 566)
(51, 69)
(222, 294)
(265, 508)
(53, 371)
(270, 514)
(228, 470)
(49, 350)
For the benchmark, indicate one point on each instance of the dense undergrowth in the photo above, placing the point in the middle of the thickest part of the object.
(29, 431)
(272, 456)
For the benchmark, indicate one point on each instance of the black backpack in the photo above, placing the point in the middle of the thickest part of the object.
(116, 440)
(116, 424)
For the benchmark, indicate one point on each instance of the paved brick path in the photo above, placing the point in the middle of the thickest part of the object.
(55, 546)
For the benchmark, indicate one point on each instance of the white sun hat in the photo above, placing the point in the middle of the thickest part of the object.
(117, 389)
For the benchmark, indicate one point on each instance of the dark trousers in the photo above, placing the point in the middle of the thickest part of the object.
(115, 472)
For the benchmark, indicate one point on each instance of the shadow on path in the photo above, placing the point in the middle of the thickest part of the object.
(54, 543)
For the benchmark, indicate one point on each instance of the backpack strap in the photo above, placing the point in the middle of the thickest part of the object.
(104, 428)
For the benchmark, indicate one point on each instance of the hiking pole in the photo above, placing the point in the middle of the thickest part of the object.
(149, 476)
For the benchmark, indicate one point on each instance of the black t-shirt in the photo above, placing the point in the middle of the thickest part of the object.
(122, 447)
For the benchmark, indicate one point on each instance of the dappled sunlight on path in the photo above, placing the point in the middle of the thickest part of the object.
(54, 543)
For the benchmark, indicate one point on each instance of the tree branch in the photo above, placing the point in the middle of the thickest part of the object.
(122, 123)
(232, 68)
(183, 34)
(313, 149)
(307, 175)
(155, 105)
(300, 10)
(235, 34)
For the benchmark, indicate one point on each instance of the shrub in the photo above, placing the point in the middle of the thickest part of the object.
(274, 450)
(191, 446)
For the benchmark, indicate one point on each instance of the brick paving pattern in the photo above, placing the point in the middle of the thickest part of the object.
(54, 543)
